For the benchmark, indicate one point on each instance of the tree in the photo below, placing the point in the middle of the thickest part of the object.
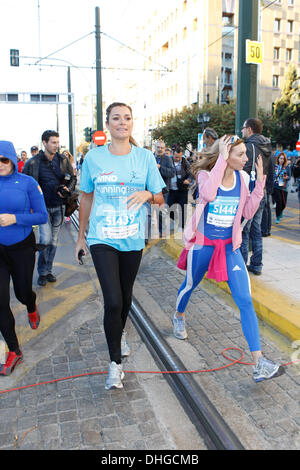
(287, 111)
(182, 128)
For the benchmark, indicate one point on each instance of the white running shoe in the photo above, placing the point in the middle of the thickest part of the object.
(179, 327)
(125, 349)
(266, 369)
(115, 376)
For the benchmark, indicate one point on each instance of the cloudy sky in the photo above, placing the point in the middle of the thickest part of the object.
(41, 27)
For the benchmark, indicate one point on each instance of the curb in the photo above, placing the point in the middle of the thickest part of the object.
(276, 309)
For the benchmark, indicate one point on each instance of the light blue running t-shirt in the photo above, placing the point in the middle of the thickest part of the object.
(113, 178)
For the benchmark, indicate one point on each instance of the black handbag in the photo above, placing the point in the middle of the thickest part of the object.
(71, 204)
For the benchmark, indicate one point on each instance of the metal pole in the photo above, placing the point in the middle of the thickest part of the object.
(98, 71)
(247, 73)
(70, 113)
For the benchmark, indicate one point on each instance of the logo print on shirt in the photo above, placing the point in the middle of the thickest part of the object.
(107, 178)
(133, 176)
(236, 268)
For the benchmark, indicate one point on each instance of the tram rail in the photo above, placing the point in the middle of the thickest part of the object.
(211, 426)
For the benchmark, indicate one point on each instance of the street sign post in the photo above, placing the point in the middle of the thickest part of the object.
(298, 146)
(200, 142)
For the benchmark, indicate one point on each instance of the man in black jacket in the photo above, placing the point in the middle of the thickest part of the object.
(55, 175)
(179, 185)
(167, 171)
(256, 144)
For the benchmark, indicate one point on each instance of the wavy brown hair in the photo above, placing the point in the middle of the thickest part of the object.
(109, 110)
(282, 154)
(209, 156)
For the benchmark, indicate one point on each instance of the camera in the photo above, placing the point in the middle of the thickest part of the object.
(61, 187)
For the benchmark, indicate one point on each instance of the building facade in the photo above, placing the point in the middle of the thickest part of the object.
(190, 49)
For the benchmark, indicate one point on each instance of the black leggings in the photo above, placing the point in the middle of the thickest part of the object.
(16, 261)
(280, 198)
(116, 272)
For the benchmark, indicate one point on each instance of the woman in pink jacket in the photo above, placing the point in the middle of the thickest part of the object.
(214, 234)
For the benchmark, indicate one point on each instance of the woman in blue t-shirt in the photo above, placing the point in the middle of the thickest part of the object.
(113, 182)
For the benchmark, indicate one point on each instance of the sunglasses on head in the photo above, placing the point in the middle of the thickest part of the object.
(234, 139)
(4, 160)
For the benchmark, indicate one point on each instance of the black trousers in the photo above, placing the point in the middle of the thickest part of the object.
(16, 262)
(116, 272)
(280, 197)
(181, 198)
(266, 221)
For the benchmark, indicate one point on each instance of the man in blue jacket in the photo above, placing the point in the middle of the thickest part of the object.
(55, 176)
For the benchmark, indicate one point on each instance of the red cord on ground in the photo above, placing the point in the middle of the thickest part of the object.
(232, 363)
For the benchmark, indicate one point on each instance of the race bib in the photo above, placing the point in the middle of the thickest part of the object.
(119, 225)
(222, 210)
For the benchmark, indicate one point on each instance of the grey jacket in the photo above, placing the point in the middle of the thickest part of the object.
(258, 144)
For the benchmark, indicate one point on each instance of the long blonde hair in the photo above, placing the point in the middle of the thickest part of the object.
(209, 157)
(68, 155)
(109, 110)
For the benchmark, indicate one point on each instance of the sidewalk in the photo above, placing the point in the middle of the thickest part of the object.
(276, 293)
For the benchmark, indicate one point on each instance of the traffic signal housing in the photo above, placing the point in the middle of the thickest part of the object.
(88, 134)
(14, 57)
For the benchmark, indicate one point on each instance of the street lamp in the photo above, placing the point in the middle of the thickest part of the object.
(203, 119)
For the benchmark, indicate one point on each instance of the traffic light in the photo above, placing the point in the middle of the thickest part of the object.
(14, 57)
(88, 134)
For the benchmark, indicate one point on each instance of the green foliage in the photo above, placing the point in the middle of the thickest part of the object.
(287, 111)
(182, 127)
(282, 127)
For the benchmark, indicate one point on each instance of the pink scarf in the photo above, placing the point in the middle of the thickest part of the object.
(217, 268)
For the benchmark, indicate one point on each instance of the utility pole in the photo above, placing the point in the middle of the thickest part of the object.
(70, 114)
(247, 73)
(98, 71)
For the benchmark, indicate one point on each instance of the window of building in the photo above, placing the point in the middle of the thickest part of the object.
(289, 55)
(228, 76)
(290, 26)
(291, 3)
(184, 34)
(184, 5)
(228, 56)
(195, 24)
(277, 23)
(275, 81)
(276, 55)
(227, 19)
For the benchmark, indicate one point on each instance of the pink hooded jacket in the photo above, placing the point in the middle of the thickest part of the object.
(208, 185)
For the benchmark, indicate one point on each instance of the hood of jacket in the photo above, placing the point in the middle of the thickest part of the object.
(7, 150)
(262, 142)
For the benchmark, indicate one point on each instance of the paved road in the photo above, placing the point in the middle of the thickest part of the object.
(289, 227)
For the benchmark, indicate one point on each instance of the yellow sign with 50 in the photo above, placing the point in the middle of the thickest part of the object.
(254, 52)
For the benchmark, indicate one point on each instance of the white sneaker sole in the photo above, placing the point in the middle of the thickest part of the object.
(116, 385)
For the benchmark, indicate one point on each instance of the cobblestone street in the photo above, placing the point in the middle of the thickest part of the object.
(213, 325)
